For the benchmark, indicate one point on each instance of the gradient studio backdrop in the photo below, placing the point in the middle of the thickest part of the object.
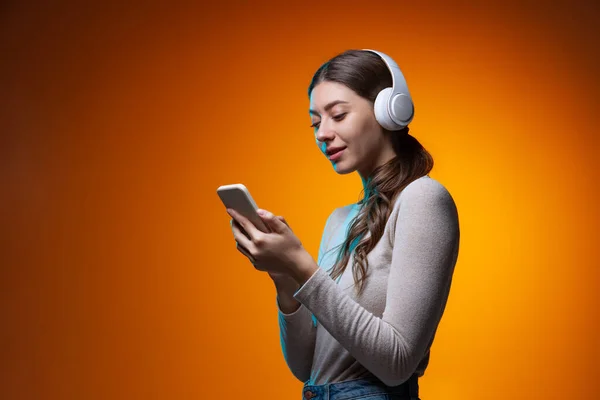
(119, 274)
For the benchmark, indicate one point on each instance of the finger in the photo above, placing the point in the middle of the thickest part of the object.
(284, 221)
(279, 217)
(240, 237)
(276, 224)
(271, 228)
(236, 226)
(266, 220)
(245, 252)
(245, 223)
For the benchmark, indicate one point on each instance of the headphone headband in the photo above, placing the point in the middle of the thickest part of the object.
(394, 108)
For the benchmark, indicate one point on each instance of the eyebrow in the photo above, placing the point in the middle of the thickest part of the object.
(328, 106)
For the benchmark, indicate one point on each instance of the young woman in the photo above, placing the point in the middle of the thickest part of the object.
(360, 322)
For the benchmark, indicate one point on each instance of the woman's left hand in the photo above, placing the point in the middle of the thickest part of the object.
(278, 251)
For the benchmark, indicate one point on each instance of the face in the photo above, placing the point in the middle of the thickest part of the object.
(342, 118)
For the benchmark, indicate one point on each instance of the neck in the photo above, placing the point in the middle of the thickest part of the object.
(366, 181)
(366, 175)
(386, 153)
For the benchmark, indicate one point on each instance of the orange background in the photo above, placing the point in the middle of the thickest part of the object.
(119, 273)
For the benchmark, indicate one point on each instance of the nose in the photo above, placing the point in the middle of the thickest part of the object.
(324, 133)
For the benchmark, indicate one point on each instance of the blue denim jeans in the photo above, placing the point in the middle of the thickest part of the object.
(366, 388)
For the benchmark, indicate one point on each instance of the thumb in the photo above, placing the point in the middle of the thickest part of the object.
(274, 222)
(279, 217)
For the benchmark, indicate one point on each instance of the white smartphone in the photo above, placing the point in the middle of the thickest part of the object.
(238, 197)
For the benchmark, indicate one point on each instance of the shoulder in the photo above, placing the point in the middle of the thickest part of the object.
(337, 216)
(424, 188)
(425, 206)
(343, 211)
(425, 195)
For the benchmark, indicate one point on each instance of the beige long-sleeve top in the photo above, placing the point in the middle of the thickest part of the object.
(388, 330)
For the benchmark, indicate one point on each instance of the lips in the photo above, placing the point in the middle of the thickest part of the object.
(335, 156)
(334, 150)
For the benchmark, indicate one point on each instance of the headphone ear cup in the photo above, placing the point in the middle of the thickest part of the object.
(402, 109)
(381, 111)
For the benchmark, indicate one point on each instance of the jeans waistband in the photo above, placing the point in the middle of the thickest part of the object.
(355, 388)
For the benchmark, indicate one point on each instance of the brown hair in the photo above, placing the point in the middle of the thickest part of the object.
(366, 74)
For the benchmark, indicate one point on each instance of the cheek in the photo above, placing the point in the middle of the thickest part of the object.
(355, 130)
(364, 142)
(361, 132)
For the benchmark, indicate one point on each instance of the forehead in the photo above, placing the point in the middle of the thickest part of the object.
(326, 92)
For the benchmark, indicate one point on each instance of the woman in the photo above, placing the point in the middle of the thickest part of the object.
(360, 322)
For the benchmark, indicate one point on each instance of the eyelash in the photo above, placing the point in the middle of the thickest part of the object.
(338, 117)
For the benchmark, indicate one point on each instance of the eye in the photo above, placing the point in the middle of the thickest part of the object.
(338, 117)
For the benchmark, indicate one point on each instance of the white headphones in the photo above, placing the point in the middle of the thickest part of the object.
(394, 108)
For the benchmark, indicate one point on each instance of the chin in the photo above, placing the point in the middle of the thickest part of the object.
(342, 169)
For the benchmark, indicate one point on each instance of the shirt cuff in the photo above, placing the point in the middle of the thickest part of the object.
(318, 279)
(290, 315)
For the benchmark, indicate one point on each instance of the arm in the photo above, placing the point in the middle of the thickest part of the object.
(297, 330)
(426, 234)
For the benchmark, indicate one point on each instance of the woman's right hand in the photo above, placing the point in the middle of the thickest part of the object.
(281, 279)
(286, 286)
